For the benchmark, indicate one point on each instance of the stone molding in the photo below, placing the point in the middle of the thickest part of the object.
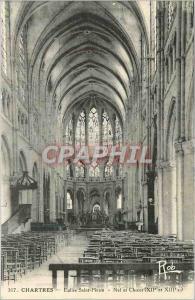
(166, 164)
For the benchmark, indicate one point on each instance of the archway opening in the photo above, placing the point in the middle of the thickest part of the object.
(70, 207)
(152, 211)
(119, 199)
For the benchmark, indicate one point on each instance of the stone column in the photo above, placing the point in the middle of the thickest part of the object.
(178, 70)
(162, 40)
(132, 172)
(173, 199)
(41, 200)
(183, 33)
(159, 128)
(145, 205)
(180, 187)
(169, 198)
(160, 199)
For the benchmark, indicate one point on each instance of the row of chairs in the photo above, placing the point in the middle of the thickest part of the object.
(130, 248)
(128, 259)
(126, 247)
(23, 252)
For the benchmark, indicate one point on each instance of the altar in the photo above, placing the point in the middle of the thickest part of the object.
(95, 218)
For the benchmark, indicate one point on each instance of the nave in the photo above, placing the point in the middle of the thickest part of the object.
(83, 76)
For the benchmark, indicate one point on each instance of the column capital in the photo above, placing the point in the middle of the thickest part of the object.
(179, 147)
(169, 164)
(165, 164)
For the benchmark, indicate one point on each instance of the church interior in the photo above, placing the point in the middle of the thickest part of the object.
(96, 73)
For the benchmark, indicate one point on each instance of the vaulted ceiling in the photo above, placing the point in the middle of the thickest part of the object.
(84, 49)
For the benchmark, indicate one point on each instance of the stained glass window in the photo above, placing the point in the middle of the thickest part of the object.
(94, 171)
(80, 130)
(89, 124)
(69, 133)
(108, 170)
(69, 200)
(118, 131)
(80, 171)
(107, 135)
(93, 127)
(3, 38)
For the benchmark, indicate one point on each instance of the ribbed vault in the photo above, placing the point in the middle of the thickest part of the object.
(84, 49)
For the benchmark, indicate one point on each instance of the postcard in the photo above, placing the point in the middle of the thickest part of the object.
(97, 149)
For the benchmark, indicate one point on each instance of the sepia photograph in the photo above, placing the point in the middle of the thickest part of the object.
(97, 158)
